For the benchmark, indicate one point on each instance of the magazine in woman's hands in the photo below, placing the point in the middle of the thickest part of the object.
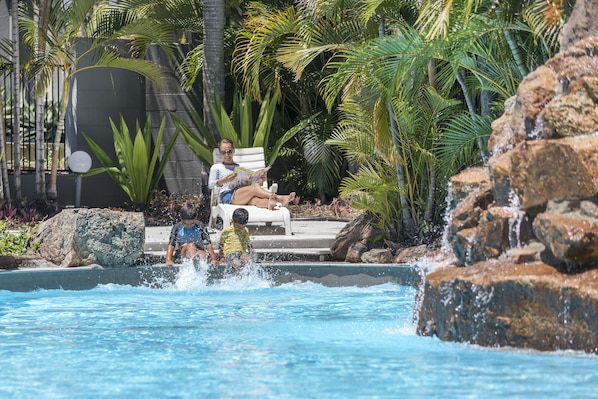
(246, 177)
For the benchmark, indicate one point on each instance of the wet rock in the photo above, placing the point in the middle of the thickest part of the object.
(538, 171)
(533, 93)
(81, 237)
(502, 304)
(571, 240)
(542, 173)
(503, 137)
(524, 254)
(412, 254)
(467, 182)
(497, 231)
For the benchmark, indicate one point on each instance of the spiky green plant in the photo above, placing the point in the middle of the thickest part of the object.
(138, 168)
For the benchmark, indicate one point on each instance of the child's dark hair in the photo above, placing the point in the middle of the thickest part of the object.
(240, 215)
(188, 212)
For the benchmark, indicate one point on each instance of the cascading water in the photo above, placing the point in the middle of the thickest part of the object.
(515, 221)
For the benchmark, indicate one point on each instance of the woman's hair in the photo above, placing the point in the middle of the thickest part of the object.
(188, 212)
(240, 215)
(227, 141)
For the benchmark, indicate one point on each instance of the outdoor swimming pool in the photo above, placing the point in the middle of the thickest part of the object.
(245, 337)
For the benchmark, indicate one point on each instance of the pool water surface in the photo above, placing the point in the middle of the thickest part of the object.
(244, 337)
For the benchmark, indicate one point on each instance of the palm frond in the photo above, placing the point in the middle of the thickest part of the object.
(459, 145)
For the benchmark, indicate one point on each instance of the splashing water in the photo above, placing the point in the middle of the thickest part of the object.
(196, 276)
(448, 216)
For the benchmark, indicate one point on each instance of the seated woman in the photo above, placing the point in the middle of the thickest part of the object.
(222, 174)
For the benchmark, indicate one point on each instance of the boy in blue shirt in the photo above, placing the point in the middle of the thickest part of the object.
(189, 238)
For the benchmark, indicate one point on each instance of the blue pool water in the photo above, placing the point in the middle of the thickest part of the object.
(246, 338)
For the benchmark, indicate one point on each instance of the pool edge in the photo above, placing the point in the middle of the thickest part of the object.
(83, 278)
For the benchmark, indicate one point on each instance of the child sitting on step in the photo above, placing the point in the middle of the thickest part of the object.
(234, 247)
(189, 238)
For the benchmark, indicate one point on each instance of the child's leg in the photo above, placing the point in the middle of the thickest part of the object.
(190, 251)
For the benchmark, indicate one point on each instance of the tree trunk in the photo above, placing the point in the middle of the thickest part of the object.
(407, 219)
(213, 67)
(5, 194)
(52, 192)
(40, 154)
(40, 170)
(472, 111)
(16, 90)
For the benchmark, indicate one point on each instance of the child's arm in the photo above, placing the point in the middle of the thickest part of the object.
(220, 253)
(169, 252)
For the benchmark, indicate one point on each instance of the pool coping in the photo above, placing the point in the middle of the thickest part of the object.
(156, 276)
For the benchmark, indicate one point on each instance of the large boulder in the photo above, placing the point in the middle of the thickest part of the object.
(81, 237)
(570, 235)
(495, 303)
(536, 172)
(353, 240)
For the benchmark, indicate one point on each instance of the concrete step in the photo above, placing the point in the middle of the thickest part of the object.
(261, 245)
(263, 255)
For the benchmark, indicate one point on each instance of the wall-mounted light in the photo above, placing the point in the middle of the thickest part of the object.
(79, 162)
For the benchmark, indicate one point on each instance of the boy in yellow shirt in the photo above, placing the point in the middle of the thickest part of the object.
(234, 247)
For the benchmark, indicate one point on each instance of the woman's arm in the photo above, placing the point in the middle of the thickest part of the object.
(219, 176)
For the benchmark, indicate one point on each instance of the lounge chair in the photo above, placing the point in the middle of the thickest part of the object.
(251, 158)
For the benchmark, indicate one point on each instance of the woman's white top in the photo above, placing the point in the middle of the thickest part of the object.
(217, 172)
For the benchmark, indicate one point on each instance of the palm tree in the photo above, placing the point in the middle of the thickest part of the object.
(284, 50)
(213, 57)
(460, 46)
(52, 31)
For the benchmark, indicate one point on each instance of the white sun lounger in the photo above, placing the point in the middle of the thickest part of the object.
(251, 158)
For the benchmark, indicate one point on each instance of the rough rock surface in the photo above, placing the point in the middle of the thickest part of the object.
(81, 237)
(502, 304)
(377, 255)
(537, 171)
(353, 240)
(570, 237)
(529, 239)
(508, 209)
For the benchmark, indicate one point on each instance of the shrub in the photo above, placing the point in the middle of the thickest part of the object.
(14, 243)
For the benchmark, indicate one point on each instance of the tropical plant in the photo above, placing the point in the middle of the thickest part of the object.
(14, 243)
(138, 168)
(238, 126)
(283, 48)
(406, 85)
